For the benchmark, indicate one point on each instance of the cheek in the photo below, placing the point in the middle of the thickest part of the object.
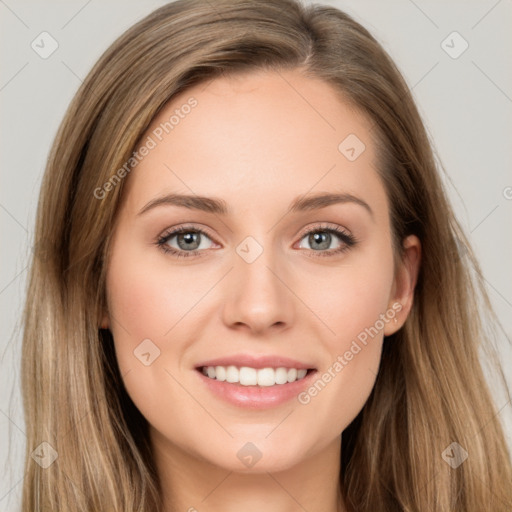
(350, 296)
(143, 308)
(137, 305)
(352, 302)
(146, 300)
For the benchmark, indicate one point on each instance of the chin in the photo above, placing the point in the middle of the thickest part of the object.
(253, 455)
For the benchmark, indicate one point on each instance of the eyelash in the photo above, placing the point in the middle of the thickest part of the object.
(347, 239)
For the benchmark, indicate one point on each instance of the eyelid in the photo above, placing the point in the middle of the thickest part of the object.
(187, 227)
(303, 232)
(323, 225)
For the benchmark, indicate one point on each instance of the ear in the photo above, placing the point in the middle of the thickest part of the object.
(105, 323)
(405, 279)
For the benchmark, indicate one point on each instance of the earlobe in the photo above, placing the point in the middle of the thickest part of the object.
(104, 322)
(405, 282)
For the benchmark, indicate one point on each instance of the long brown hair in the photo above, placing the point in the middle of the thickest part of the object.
(430, 391)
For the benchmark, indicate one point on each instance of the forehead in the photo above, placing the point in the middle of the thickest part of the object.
(264, 135)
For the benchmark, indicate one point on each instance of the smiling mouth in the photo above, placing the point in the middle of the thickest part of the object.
(255, 377)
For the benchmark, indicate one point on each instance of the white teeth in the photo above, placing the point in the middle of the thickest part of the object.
(220, 373)
(301, 373)
(232, 374)
(281, 376)
(292, 375)
(247, 376)
(266, 377)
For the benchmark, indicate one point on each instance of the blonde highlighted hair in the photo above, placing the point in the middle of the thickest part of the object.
(430, 390)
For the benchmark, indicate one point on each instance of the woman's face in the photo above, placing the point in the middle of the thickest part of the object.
(284, 263)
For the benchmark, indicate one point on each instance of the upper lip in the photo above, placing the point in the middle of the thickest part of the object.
(240, 360)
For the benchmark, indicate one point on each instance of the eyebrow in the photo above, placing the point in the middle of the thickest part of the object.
(219, 206)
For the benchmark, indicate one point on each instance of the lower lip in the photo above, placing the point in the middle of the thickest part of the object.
(256, 397)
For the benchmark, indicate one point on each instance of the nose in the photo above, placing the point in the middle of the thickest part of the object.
(258, 295)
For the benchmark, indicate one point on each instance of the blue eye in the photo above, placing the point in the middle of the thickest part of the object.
(190, 240)
(322, 238)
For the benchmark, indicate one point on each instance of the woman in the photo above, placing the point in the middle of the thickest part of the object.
(252, 292)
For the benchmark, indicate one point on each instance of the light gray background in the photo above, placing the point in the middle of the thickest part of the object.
(465, 102)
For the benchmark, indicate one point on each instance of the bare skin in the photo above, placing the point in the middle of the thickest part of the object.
(257, 142)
